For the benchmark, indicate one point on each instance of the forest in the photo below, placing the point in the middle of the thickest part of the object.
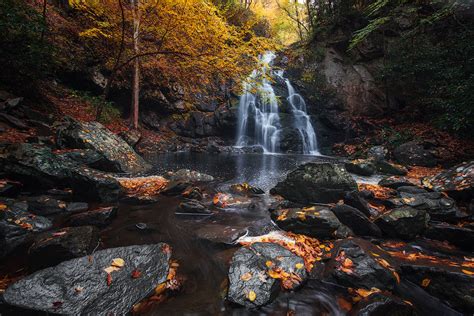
(237, 157)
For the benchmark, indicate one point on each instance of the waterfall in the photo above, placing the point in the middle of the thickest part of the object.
(259, 114)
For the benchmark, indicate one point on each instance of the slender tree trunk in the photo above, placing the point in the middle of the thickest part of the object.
(43, 30)
(310, 14)
(298, 21)
(136, 70)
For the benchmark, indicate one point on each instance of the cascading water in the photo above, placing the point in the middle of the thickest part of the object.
(259, 118)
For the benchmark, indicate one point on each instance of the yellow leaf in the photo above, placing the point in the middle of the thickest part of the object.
(467, 272)
(252, 296)
(2, 207)
(118, 262)
(299, 266)
(111, 269)
(269, 264)
(425, 282)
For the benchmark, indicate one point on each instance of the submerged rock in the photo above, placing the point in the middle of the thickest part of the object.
(81, 286)
(379, 304)
(17, 226)
(319, 222)
(51, 248)
(394, 182)
(404, 222)
(316, 182)
(189, 176)
(356, 221)
(254, 273)
(99, 217)
(192, 207)
(93, 135)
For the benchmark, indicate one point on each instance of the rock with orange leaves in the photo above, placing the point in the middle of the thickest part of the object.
(257, 273)
(457, 181)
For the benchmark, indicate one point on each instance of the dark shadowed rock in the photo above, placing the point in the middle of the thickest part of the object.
(462, 237)
(175, 188)
(365, 272)
(192, 207)
(379, 304)
(455, 288)
(394, 182)
(93, 135)
(360, 167)
(386, 167)
(316, 221)
(132, 136)
(220, 234)
(411, 190)
(17, 226)
(194, 193)
(354, 199)
(404, 222)
(9, 188)
(457, 181)
(377, 153)
(316, 182)
(99, 217)
(249, 281)
(79, 286)
(356, 220)
(54, 247)
(95, 184)
(414, 153)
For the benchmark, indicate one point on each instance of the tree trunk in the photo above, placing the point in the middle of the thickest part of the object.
(298, 21)
(136, 70)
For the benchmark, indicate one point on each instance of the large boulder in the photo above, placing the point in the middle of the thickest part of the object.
(360, 167)
(463, 237)
(81, 286)
(316, 183)
(414, 153)
(403, 222)
(290, 140)
(315, 221)
(17, 226)
(54, 247)
(356, 220)
(93, 135)
(254, 274)
(457, 181)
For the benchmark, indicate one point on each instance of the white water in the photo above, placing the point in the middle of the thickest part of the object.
(259, 120)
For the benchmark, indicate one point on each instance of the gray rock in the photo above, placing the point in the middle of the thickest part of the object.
(403, 222)
(99, 217)
(461, 237)
(354, 199)
(360, 167)
(317, 221)
(132, 136)
(377, 153)
(186, 175)
(414, 154)
(93, 135)
(316, 183)
(394, 182)
(17, 226)
(383, 304)
(457, 181)
(249, 273)
(54, 247)
(79, 286)
(192, 207)
(386, 167)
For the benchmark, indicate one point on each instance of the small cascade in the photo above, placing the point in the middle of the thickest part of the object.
(259, 118)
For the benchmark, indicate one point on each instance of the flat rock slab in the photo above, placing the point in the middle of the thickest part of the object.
(79, 286)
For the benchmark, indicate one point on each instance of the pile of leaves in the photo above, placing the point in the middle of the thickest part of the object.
(143, 187)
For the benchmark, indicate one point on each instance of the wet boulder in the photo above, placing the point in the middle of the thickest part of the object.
(316, 221)
(290, 140)
(220, 234)
(377, 153)
(454, 288)
(414, 153)
(94, 184)
(394, 182)
(192, 207)
(89, 158)
(257, 273)
(351, 266)
(53, 247)
(45, 205)
(189, 176)
(411, 190)
(193, 193)
(462, 237)
(17, 226)
(132, 136)
(81, 286)
(100, 217)
(457, 181)
(381, 304)
(356, 220)
(93, 135)
(360, 167)
(386, 167)
(403, 222)
(174, 188)
(354, 199)
(316, 182)
(246, 189)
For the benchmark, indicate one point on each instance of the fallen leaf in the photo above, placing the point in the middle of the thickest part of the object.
(57, 234)
(397, 277)
(78, 289)
(252, 296)
(425, 282)
(160, 288)
(467, 272)
(269, 263)
(136, 274)
(2, 207)
(118, 262)
(246, 276)
(299, 265)
(109, 279)
(111, 269)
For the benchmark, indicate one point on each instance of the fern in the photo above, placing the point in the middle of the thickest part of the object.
(363, 33)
